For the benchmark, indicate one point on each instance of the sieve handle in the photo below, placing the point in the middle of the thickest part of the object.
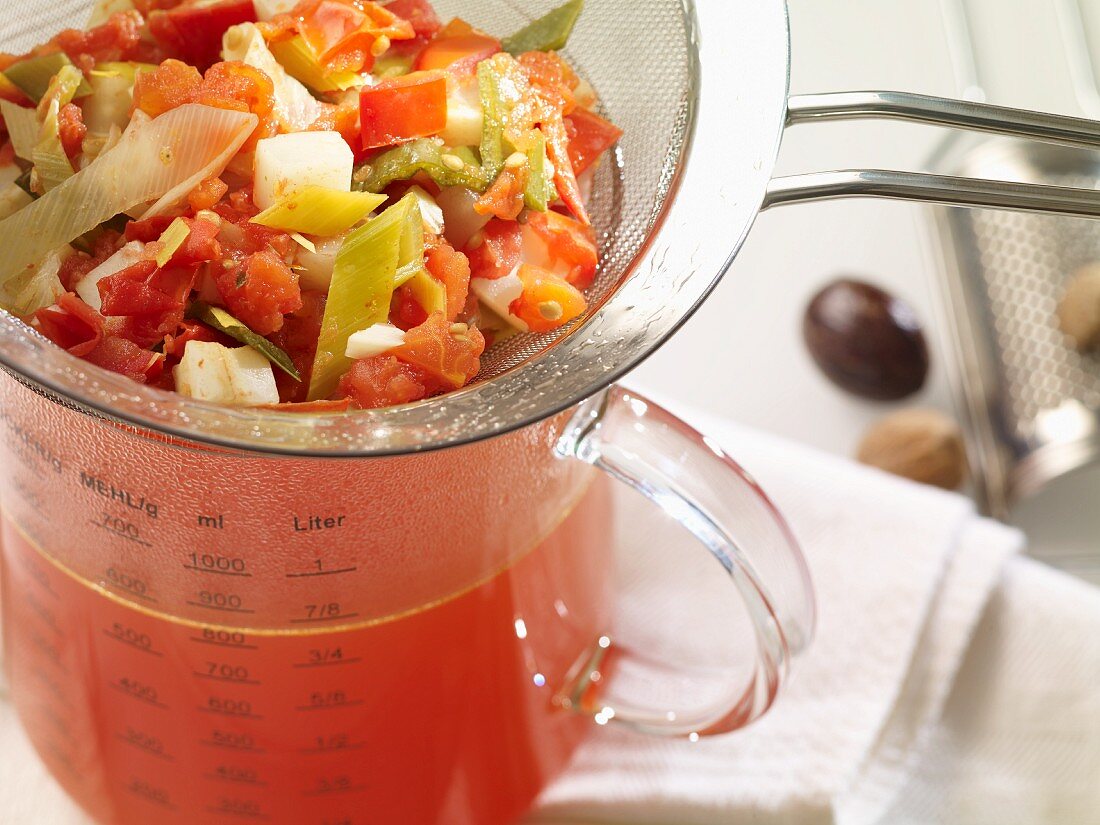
(693, 481)
(917, 186)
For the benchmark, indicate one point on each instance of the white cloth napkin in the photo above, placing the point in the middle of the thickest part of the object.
(903, 573)
(863, 734)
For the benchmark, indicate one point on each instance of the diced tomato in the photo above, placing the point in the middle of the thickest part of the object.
(118, 39)
(342, 117)
(565, 179)
(173, 83)
(174, 344)
(458, 54)
(71, 129)
(548, 301)
(79, 264)
(451, 358)
(147, 230)
(382, 381)
(420, 14)
(201, 244)
(298, 339)
(402, 109)
(405, 311)
(193, 30)
(124, 356)
(504, 198)
(144, 291)
(71, 324)
(589, 137)
(260, 291)
(570, 242)
(207, 194)
(343, 33)
(496, 250)
(552, 78)
(452, 269)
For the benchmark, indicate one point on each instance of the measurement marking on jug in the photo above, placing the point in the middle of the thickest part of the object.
(321, 571)
(228, 740)
(244, 811)
(131, 584)
(226, 672)
(137, 690)
(145, 743)
(217, 564)
(327, 657)
(236, 708)
(236, 775)
(322, 613)
(333, 744)
(336, 785)
(223, 602)
(131, 637)
(150, 793)
(121, 528)
(329, 700)
(224, 638)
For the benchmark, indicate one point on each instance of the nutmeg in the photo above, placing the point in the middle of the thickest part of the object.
(922, 445)
(1079, 309)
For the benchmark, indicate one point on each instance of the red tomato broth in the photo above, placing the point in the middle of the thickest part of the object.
(461, 620)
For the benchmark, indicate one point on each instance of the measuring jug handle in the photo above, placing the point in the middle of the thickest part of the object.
(691, 479)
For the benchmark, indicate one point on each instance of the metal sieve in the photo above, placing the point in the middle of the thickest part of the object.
(702, 94)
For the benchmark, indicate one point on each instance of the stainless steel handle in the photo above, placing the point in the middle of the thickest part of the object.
(916, 186)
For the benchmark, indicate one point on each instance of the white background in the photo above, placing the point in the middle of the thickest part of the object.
(742, 354)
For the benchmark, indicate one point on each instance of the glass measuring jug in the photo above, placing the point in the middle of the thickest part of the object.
(196, 634)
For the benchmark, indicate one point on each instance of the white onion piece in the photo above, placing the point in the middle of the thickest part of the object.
(374, 340)
(429, 210)
(498, 294)
(23, 128)
(460, 220)
(88, 286)
(164, 158)
(316, 267)
(211, 372)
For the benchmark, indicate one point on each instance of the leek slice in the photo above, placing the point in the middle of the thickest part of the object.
(36, 286)
(12, 199)
(171, 239)
(166, 158)
(540, 190)
(222, 321)
(549, 33)
(492, 107)
(301, 63)
(51, 164)
(318, 210)
(22, 128)
(362, 286)
(425, 155)
(33, 76)
(112, 95)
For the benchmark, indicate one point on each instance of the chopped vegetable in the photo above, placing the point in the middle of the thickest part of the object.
(589, 137)
(37, 286)
(548, 301)
(172, 239)
(112, 97)
(212, 372)
(317, 210)
(429, 210)
(286, 164)
(152, 160)
(315, 268)
(34, 75)
(460, 220)
(447, 167)
(23, 128)
(88, 286)
(465, 119)
(540, 189)
(549, 33)
(222, 321)
(301, 63)
(270, 9)
(362, 285)
(499, 294)
(374, 340)
(458, 54)
(403, 108)
(295, 107)
(12, 198)
(193, 29)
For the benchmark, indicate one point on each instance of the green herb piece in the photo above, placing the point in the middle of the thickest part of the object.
(549, 33)
(222, 321)
(447, 167)
(363, 280)
(33, 76)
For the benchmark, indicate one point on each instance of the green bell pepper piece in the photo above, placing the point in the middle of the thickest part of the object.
(33, 75)
(425, 155)
(549, 33)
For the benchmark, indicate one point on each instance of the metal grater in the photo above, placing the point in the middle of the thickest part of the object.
(1031, 401)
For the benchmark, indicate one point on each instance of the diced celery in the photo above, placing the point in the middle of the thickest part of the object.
(428, 156)
(171, 239)
(361, 290)
(33, 75)
(222, 321)
(301, 63)
(318, 210)
(540, 186)
(549, 33)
